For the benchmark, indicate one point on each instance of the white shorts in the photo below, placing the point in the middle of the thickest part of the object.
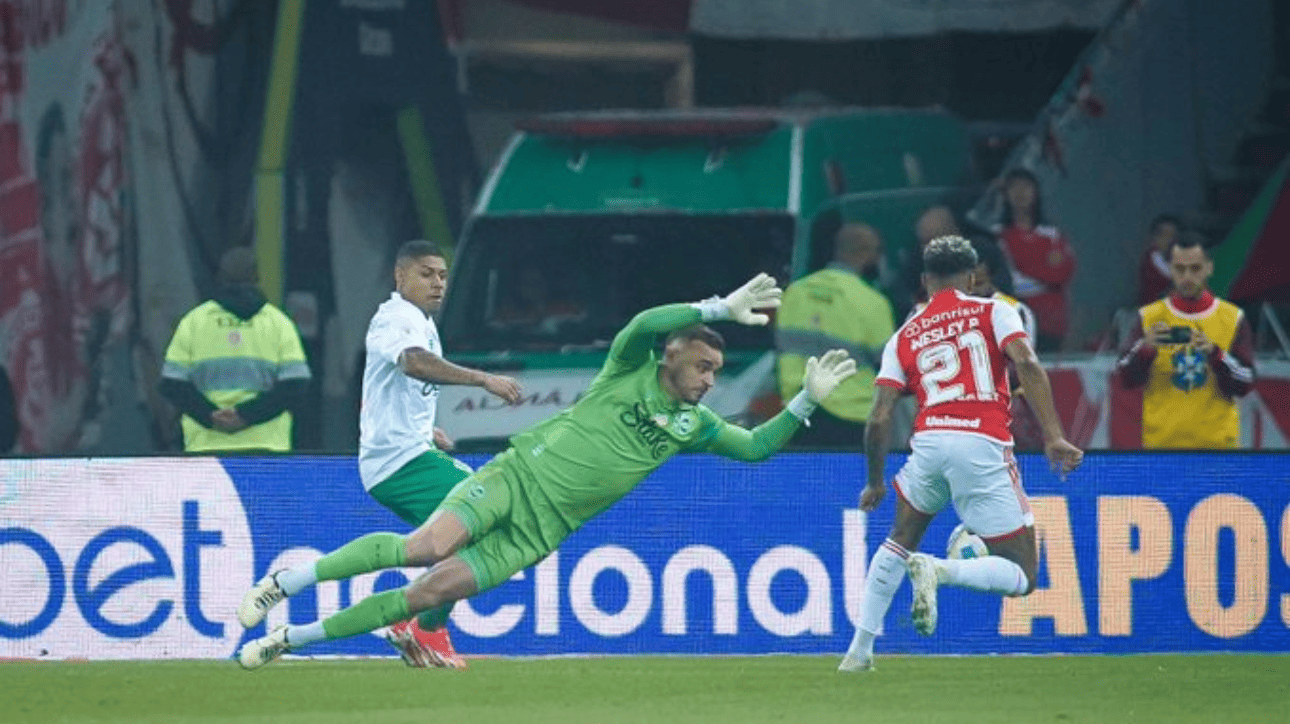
(977, 473)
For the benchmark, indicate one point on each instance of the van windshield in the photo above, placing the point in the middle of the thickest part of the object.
(565, 283)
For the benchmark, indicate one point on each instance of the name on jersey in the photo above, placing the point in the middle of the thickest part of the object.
(943, 421)
(948, 330)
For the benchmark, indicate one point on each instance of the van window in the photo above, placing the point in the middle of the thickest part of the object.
(563, 283)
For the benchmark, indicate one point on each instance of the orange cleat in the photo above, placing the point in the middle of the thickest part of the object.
(438, 647)
(402, 639)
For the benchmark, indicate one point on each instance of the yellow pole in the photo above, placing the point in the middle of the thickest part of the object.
(421, 175)
(270, 196)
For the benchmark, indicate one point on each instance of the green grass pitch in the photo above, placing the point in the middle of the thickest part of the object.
(675, 690)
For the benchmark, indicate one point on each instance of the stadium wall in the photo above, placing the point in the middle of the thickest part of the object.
(115, 558)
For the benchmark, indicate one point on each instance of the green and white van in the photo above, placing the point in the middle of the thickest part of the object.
(589, 218)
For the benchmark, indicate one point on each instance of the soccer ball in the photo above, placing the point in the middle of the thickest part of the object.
(964, 544)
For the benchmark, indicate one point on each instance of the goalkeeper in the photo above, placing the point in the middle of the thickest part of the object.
(555, 476)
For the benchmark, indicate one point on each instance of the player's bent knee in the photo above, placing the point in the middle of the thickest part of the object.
(417, 548)
(427, 551)
(445, 583)
(436, 540)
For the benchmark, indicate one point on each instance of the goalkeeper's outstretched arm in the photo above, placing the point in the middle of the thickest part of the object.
(822, 376)
(757, 444)
(633, 344)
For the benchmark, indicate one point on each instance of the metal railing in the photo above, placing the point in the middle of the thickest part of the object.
(1269, 320)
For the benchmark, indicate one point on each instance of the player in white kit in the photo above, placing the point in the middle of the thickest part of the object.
(952, 355)
(402, 456)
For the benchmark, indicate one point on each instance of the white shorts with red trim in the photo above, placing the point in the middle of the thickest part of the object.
(975, 472)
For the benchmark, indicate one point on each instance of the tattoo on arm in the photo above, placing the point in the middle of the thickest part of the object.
(429, 367)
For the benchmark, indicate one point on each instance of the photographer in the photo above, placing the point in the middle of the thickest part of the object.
(1193, 354)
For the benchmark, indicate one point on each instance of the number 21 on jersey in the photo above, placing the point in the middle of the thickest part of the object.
(941, 366)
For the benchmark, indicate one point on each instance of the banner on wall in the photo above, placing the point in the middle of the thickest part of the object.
(1099, 414)
(64, 295)
(148, 558)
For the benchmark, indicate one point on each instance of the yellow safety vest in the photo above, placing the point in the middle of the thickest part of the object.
(833, 308)
(231, 360)
(1182, 406)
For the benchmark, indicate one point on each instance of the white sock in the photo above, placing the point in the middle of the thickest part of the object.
(992, 574)
(304, 634)
(886, 572)
(295, 580)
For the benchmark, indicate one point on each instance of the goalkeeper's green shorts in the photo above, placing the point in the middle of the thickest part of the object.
(511, 524)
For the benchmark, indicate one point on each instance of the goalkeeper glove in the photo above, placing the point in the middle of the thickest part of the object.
(822, 377)
(761, 292)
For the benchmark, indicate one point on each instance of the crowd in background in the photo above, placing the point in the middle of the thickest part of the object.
(857, 301)
(1190, 352)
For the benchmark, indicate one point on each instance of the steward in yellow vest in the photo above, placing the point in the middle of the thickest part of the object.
(235, 366)
(831, 309)
(1193, 354)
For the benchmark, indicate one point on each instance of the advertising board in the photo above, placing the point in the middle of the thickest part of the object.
(147, 558)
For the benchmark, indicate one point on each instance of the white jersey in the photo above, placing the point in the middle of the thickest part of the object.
(396, 420)
(1023, 310)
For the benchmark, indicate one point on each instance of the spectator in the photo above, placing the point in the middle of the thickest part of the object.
(908, 291)
(935, 222)
(835, 308)
(1189, 400)
(8, 415)
(235, 366)
(1153, 271)
(991, 264)
(1026, 431)
(1042, 261)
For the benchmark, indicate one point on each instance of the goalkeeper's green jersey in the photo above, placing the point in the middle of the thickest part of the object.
(625, 426)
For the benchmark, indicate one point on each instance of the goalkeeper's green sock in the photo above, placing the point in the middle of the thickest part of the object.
(372, 552)
(373, 612)
(434, 618)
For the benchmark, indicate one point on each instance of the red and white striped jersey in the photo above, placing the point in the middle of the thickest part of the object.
(950, 354)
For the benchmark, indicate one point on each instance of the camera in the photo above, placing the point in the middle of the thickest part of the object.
(1179, 335)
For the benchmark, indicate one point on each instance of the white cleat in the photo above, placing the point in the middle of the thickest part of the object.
(257, 602)
(924, 579)
(261, 651)
(852, 664)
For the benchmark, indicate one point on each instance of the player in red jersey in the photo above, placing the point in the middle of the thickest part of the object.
(952, 354)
